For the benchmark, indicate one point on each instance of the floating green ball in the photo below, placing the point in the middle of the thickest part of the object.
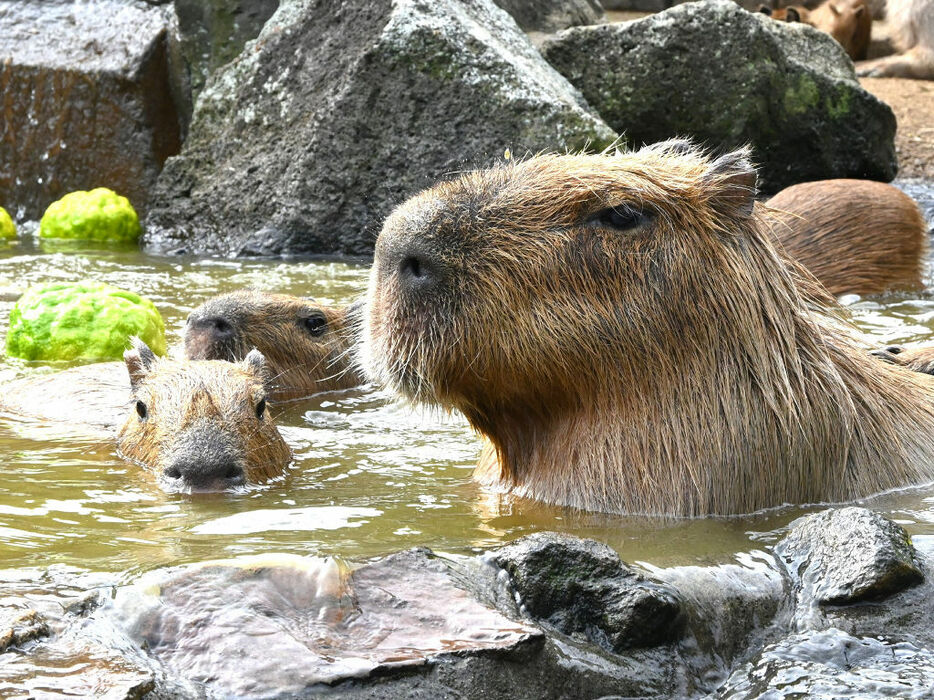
(89, 321)
(7, 227)
(97, 215)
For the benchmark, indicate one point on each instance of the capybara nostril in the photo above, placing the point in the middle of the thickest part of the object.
(220, 327)
(201, 472)
(415, 272)
(173, 473)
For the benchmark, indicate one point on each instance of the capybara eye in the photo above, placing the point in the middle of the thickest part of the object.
(894, 349)
(316, 324)
(621, 217)
(141, 410)
(261, 408)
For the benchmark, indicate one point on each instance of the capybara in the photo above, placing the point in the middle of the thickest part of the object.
(912, 26)
(307, 345)
(203, 425)
(918, 358)
(624, 332)
(855, 236)
(847, 21)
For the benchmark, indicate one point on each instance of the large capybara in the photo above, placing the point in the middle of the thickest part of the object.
(307, 345)
(626, 335)
(918, 358)
(847, 21)
(855, 236)
(203, 425)
(912, 25)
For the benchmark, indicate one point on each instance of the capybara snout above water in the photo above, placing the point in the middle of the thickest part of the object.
(307, 345)
(201, 425)
(626, 336)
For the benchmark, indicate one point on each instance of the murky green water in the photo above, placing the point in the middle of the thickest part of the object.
(369, 477)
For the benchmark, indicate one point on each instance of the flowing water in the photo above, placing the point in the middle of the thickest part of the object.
(369, 477)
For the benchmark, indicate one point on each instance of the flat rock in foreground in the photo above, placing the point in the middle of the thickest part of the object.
(726, 77)
(339, 111)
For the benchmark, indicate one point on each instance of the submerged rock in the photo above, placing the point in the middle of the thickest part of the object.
(848, 555)
(582, 588)
(88, 99)
(341, 110)
(726, 77)
(552, 15)
(20, 624)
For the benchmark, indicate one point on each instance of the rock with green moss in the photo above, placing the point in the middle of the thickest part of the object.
(727, 77)
(88, 321)
(7, 227)
(97, 215)
(339, 111)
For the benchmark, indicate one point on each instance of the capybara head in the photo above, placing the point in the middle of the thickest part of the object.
(306, 344)
(201, 425)
(625, 334)
(918, 358)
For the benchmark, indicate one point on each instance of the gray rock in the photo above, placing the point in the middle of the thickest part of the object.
(89, 99)
(848, 555)
(552, 15)
(338, 111)
(20, 624)
(582, 588)
(725, 77)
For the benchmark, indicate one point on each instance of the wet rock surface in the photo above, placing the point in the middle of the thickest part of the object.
(552, 15)
(726, 77)
(582, 588)
(88, 98)
(340, 110)
(848, 555)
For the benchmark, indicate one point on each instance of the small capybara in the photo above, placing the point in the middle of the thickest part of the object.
(625, 334)
(855, 236)
(307, 345)
(918, 358)
(201, 425)
(847, 21)
(912, 25)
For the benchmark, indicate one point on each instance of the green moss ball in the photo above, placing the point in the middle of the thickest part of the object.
(89, 321)
(7, 227)
(97, 215)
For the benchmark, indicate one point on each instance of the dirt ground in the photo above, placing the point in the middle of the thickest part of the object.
(913, 104)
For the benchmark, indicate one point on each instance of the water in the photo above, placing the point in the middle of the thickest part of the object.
(370, 477)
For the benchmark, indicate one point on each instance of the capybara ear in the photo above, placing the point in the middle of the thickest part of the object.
(139, 360)
(255, 362)
(765, 10)
(834, 9)
(859, 10)
(732, 178)
(792, 15)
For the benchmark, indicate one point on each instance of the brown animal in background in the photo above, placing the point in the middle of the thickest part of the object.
(201, 425)
(912, 24)
(307, 345)
(855, 236)
(625, 334)
(849, 22)
(919, 358)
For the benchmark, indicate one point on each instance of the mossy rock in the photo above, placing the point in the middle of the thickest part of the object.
(7, 227)
(89, 321)
(97, 215)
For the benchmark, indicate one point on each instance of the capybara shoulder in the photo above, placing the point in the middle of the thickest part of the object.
(201, 425)
(307, 345)
(623, 331)
(855, 236)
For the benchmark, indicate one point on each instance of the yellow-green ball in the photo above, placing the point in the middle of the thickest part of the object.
(97, 215)
(7, 227)
(89, 321)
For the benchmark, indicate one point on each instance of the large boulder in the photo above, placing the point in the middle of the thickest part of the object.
(552, 15)
(341, 110)
(89, 98)
(726, 77)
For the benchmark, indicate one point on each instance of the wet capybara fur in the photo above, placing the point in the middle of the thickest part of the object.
(201, 425)
(917, 358)
(307, 345)
(623, 331)
(855, 236)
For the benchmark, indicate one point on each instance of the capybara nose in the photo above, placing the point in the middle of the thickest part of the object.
(417, 272)
(218, 327)
(205, 473)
